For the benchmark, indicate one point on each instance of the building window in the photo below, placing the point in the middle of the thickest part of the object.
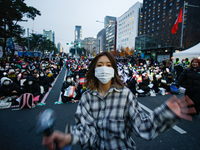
(165, 1)
(163, 20)
(154, 7)
(158, 10)
(154, 13)
(158, 16)
(170, 10)
(148, 20)
(170, 17)
(158, 4)
(178, 1)
(177, 7)
(171, 4)
(153, 18)
(149, 4)
(164, 7)
(157, 22)
(157, 28)
(152, 29)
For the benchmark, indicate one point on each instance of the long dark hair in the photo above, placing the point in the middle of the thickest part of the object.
(92, 82)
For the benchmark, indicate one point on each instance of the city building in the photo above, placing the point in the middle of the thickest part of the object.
(89, 44)
(111, 35)
(49, 34)
(128, 27)
(59, 47)
(159, 17)
(78, 34)
(101, 41)
(108, 20)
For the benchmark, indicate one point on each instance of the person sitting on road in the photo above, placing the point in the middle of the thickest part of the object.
(49, 75)
(144, 84)
(65, 85)
(32, 86)
(43, 81)
(12, 75)
(9, 89)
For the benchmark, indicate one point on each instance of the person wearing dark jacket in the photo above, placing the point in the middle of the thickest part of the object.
(32, 86)
(9, 89)
(65, 85)
(144, 84)
(191, 76)
(43, 81)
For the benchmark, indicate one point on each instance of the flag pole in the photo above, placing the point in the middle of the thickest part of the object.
(181, 44)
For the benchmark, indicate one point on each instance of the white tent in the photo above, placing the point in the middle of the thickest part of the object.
(193, 52)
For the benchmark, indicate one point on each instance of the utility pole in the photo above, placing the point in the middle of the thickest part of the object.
(28, 39)
(184, 4)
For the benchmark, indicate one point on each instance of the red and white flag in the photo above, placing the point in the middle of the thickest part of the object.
(178, 20)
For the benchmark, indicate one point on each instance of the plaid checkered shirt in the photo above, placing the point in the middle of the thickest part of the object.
(106, 123)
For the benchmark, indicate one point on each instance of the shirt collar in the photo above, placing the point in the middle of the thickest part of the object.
(113, 88)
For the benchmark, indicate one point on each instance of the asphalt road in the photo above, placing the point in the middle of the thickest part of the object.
(18, 130)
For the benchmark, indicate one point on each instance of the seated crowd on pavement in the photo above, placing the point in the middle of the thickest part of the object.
(34, 76)
(143, 77)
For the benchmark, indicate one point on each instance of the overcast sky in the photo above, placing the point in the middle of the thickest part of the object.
(61, 16)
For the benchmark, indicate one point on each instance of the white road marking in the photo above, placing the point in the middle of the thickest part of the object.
(178, 129)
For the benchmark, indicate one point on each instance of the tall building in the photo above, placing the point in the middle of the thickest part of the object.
(159, 17)
(111, 34)
(49, 34)
(78, 33)
(89, 44)
(127, 27)
(101, 40)
(59, 47)
(108, 20)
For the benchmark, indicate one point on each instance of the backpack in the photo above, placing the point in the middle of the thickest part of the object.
(26, 101)
(174, 89)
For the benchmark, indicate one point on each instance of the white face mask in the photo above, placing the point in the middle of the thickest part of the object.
(41, 75)
(30, 82)
(104, 74)
(77, 77)
(6, 82)
(69, 80)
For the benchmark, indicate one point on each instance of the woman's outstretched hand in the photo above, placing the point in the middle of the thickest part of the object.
(61, 139)
(182, 107)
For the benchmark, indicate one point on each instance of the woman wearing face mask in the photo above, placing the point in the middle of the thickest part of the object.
(32, 86)
(65, 85)
(43, 81)
(9, 89)
(191, 79)
(108, 112)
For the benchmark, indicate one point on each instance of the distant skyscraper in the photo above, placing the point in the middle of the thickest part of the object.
(101, 40)
(59, 47)
(78, 33)
(49, 34)
(108, 20)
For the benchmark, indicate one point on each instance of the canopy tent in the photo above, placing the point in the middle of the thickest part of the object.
(193, 52)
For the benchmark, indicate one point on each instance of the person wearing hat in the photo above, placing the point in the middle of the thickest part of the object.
(9, 89)
(12, 75)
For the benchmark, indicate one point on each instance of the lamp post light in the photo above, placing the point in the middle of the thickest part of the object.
(184, 4)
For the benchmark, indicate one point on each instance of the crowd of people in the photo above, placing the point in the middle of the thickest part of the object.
(33, 76)
(142, 77)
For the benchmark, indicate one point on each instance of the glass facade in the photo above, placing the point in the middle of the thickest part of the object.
(108, 20)
(111, 37)
(145, 42)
